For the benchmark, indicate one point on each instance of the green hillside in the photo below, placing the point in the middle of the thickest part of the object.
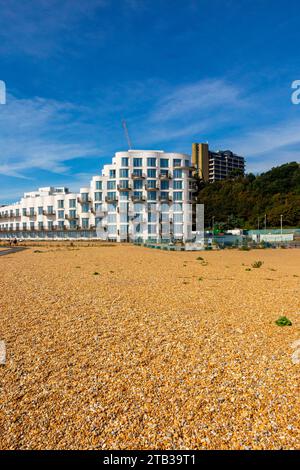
(240, 200)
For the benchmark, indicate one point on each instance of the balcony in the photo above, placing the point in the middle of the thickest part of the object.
(165, 198)
(84, 201)
(48, 213)
(69, 217)
(138, 177)
(165, 176)
(138, 198)
(151, 188)
(111, 199)
(124, 188)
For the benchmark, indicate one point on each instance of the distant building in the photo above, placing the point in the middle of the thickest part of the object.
(215, 166)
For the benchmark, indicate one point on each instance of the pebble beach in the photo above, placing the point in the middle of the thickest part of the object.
(125, 347)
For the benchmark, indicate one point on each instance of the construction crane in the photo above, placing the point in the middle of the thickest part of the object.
(126, 134)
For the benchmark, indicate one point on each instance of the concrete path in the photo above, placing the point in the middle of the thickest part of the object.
(14, 249)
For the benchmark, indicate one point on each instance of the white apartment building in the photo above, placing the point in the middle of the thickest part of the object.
(142, 195)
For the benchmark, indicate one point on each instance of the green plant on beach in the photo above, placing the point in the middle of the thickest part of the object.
(283, 321)
(96, 273)
(257, 264)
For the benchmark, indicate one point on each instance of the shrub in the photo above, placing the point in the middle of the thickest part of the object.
(257, 264)
(200, 258)
(283, 321)
(96, 274)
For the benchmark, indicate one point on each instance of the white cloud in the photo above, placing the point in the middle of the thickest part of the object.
(41, 134)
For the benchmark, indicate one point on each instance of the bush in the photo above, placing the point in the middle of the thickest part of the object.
(96, 274)
(257, 264)
(283, 321)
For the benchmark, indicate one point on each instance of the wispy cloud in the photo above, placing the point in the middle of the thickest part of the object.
(41, 134)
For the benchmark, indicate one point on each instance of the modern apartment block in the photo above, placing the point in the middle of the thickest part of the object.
(144, 195)
(215, 166)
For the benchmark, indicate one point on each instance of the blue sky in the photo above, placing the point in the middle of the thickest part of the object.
(178, 71)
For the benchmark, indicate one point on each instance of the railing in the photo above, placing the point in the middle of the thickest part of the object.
(46, 212)
(111, 199)
(165, 176)
(151, 188)
(135, 176)
(124, 188)
(138, 198)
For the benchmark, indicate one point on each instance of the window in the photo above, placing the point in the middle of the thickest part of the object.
(123, 218)
(137, 184)
(85, 208)
(111, 185)
(72, 214)
(112, 218)
(50, 209)
(112, 229)
(60, 214)
(112, 173)
(177, 174)
(177, 207)
(31, 225)
(24, 225)
(164, 207)
(112, 207)
(137, 162)
(124, 195)
(123, 173)
(187, 162)
(124, 184)
(151, 195)
(177, 196)
(152, 229)
(177, 162)
(151, 173)
(17, 226)
(98, 196)
(151, 183)
(98, 221)
(124, 229)
(137, 194)
(151, 161)
(164, 195)
(31, 211)
(73, 224)
(40, 225)
(152, 217)
(40, 210)
(60, 204)
(61, 224)
(137, 172)
(72, 203)
(50, 225)
(124, 161)
(98, 207)
(84, 197)
(85, 223)
(112, 196)
(164, 185)
(164, 163)
(98, 184)
(177, 184)
(178, 218)
(138, 207)
(17, 212)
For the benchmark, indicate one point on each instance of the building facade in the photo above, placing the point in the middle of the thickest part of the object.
(215, 166)
(141, 195)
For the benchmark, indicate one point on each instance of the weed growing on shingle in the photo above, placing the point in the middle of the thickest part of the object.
(257, 264)
(283, 321)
